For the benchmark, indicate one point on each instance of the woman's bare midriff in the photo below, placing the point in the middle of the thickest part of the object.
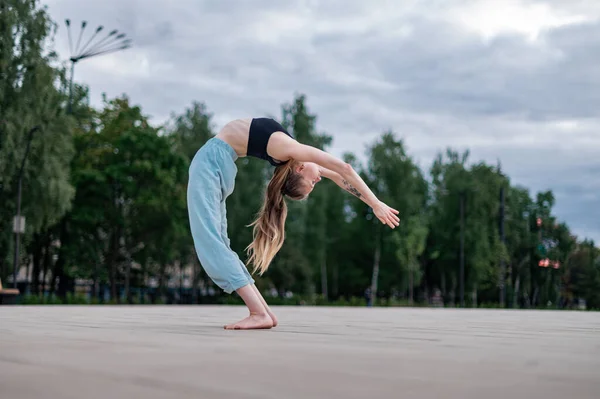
(235, 133)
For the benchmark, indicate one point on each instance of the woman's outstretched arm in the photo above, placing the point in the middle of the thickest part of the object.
(346, 178)
(343, 183)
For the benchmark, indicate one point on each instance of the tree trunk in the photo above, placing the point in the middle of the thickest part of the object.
(111, 264)
(58, 269)
(127, 280)
(375, 267)
(517, 283)
(95, 287)
(461, 275)
(453, 294)
(181, 278)
(444, 292)
(56, 273)
(127, 255)
(324, 278)
(410, 285)
(474, 296)
(547, 288)
(532, 288)
(161, 281)
(38, 245)
(516, 293)
(47, 262)
(65, 285)
(2, 271)
(336, 277)
(27, 274)
(195, 275)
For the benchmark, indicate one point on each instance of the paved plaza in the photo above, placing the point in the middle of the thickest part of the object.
(147, 352)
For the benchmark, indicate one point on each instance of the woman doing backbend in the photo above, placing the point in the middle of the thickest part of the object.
(298, 168)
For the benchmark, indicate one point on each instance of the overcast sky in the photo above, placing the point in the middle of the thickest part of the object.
(517, 81)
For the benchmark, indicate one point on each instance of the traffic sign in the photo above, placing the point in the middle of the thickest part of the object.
(19, 224)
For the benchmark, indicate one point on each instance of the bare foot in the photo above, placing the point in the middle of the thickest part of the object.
(272, 316)
(254, 321)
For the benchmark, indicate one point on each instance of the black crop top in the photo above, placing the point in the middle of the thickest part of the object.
(261, 130)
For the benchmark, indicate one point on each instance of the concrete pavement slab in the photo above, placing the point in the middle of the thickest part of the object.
(99, 352)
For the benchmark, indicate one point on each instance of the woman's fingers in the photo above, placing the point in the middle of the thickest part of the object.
(386, 220)
(390, 217)
(393, 217)
(391, 222)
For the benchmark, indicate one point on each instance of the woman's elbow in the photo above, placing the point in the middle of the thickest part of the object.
(346, 170)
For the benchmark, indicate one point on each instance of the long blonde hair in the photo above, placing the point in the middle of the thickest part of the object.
(269, 226)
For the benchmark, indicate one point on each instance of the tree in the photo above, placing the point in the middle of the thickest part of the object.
(474, 193)
(32, 93)
(130, 202)
(582, 277)
(310, 222)
(188, 132)
(397, 181)
(410, 240)
(520, 239)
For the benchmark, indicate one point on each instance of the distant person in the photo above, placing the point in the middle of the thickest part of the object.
(298, 168)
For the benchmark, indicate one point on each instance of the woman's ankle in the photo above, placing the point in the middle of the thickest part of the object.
(259, 313)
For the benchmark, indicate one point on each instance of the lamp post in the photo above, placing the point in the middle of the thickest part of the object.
(112, 42)
(462, 249)
(19, 222)
(503, 240)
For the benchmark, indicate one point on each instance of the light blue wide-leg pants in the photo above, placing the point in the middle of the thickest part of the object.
(211, 180)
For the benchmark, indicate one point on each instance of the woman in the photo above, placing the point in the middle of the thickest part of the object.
(298, 168)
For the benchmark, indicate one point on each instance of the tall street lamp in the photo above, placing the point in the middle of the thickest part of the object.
(462, 248)
(112, 42)
(19, 221)
(502, 217)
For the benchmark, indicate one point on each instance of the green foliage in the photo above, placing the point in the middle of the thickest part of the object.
(117, 216)
(32, 93)
(105, 203)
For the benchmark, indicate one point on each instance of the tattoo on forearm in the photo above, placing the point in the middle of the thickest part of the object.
(351, 189)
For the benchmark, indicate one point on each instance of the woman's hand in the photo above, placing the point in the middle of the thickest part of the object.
(341, 172)
(386, 214)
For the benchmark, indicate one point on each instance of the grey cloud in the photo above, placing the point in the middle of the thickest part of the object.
(441, 73)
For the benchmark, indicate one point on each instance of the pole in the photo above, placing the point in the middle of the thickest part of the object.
(462, 249)
(18, 219)
(502, 239)
(17, 234)
(70, 107)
